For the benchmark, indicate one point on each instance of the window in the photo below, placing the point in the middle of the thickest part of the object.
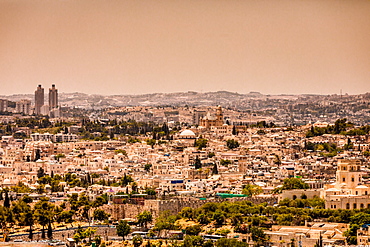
(344, 179)
(354, 205)
(353, 179)
(347, 206)
(362, 205)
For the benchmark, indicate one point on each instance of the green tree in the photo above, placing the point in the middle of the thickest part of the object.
(203, 219)
(137, 240)
(6, 220)
(6, 199)
(100, 215)
(193, 241)
(251, 190)
(225, 162)
(151, 142)
(59, 156)
(126, 179)
(351, 234)
(120, 151)
(197, 163)
(123, 229)
(201, 143)
(67, 216)
(234, 132)
(211, 155)
(193, 230)
(81, 234)
(165, 221)
(360, 219)
(187, 212)
(40, 172)
(214, 169)
(144, 218)
(232, 144)
(257, 234)
(44, 213)
(292, 184)
(219, 217)
(147, 167)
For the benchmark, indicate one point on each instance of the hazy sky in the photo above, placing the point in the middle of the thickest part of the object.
(146, 46)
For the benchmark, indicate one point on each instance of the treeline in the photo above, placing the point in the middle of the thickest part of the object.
(46, 213)
(106, 129)
(246, 217)
(340, 127)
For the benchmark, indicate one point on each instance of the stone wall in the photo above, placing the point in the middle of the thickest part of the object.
(121, 211)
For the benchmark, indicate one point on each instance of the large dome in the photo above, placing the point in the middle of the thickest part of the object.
(187, 133)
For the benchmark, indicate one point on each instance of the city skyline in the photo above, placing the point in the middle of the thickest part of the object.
(139, 47)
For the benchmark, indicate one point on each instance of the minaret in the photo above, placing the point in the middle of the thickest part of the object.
(53, 97)
(39, 99)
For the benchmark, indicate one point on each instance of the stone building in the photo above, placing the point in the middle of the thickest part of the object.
(208, 120)
(348, 192)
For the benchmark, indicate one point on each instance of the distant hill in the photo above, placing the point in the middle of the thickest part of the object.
(224, 98)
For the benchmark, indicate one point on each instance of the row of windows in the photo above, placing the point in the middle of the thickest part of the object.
(355, 205)
(344, 179)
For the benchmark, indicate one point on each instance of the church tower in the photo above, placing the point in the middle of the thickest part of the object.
(219, 116)
(349, 173)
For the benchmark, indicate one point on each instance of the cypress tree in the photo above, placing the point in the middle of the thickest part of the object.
(6, 200)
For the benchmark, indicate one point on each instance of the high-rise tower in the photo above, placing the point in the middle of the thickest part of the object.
(39, 99)
(53, 97)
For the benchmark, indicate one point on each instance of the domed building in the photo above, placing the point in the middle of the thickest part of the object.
(208, 121)
(348, 192)
(187, 134)
(7, 183)
(186, 138)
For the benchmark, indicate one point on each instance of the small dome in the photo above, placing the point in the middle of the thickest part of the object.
(187, 133)
(6, 181)
(332, 189)
(362, 187)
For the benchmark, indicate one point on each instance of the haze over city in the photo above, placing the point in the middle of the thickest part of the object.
(135, 47)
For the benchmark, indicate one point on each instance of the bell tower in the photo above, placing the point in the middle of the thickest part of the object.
(349, 173)
(219, 116)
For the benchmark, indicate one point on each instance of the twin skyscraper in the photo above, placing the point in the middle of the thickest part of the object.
(52, 109)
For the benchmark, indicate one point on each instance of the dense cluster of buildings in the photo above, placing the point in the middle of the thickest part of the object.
(264, 157)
